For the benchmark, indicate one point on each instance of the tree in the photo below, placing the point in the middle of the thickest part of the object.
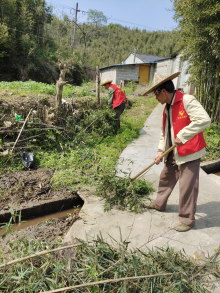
(200, 39)
(96, 17)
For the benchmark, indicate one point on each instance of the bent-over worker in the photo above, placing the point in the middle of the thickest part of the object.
(116, 99)
(184, 119)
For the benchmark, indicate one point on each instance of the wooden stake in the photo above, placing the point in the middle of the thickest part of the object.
(21, 130)
(163, 155)
(97, 86)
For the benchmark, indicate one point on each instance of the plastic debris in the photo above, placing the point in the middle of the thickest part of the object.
(7, 123)
(18, 117)
(199, 253)
(5, 153)
(27, 159)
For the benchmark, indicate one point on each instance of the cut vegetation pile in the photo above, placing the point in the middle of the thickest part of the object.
(162, 270)
(123, 193)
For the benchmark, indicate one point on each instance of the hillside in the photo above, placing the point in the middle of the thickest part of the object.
(31, 38)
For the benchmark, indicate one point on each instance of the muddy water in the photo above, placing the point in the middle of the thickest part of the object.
(37, 220)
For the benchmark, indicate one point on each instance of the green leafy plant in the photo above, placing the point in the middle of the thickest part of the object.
(212, 138)
(123, 193)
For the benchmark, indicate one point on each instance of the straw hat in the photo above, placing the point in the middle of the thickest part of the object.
(160, 79)
(106, 80)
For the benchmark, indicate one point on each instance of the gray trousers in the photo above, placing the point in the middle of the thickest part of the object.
(188, 176)
(119, 110)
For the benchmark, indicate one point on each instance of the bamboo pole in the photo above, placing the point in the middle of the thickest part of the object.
(110, 281)
(163, 155)
(37, 254)
(215, 97)
(21, 130)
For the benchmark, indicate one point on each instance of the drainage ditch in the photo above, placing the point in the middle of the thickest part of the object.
(29, 195)
(212, 167)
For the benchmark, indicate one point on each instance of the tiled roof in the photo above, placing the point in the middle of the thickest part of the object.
(149, 58)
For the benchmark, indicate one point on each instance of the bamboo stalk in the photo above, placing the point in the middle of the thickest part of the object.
(42, 124)
(92, 122)
(21, 130)
(26, 138)
(163, 155)
(25, 130)
(37, 254)
(215, 97)
(110, 281)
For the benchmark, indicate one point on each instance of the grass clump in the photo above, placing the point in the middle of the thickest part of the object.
(31, 86)
(123, 193)
(212, 138)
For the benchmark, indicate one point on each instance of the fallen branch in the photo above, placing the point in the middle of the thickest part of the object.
(21, 130)
(25, 130)
(37, 254)
(92, 123)
(8, 143)
(42, 124)
(109, 281)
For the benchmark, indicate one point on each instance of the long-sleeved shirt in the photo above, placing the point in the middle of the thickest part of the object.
(199, 121)
(110, 95)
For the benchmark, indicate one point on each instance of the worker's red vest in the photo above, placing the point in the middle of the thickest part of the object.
(118, 97)
(180, 119)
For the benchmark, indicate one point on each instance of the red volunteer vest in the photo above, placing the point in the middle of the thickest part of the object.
(180, 120)
(118, 97)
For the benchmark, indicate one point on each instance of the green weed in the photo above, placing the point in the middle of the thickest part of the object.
(69, 91)
(122, 193)
(212, 138)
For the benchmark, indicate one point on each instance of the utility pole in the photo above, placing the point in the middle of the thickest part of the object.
(135, 49)
(134, 54)
(97, 86)
(74, 32)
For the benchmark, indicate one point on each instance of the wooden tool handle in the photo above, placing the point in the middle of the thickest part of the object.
(163, 155)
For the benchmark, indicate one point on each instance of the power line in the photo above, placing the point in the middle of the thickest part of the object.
(132, 23)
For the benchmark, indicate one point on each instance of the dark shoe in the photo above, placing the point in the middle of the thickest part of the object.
(182, 227)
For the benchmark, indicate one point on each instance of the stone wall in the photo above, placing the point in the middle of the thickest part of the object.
(128, 73)
(109, 73)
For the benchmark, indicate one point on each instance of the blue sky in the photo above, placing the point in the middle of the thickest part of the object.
(144, 14)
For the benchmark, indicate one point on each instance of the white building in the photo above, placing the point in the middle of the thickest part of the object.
(141, 68)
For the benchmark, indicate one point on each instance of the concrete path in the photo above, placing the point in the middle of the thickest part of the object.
(153, 228)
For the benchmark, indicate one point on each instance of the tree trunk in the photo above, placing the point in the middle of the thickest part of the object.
(59, 85)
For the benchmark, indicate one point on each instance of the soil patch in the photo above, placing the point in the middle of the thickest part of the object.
(31, 193)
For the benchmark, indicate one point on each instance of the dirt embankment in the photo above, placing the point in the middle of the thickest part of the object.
(31, 194)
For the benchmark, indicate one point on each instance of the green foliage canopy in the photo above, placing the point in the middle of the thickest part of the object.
(200, 39)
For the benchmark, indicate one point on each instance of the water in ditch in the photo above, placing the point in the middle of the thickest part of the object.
(37, 220)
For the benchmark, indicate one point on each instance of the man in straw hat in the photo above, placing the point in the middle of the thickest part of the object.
(116, 99)
(184, 119)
